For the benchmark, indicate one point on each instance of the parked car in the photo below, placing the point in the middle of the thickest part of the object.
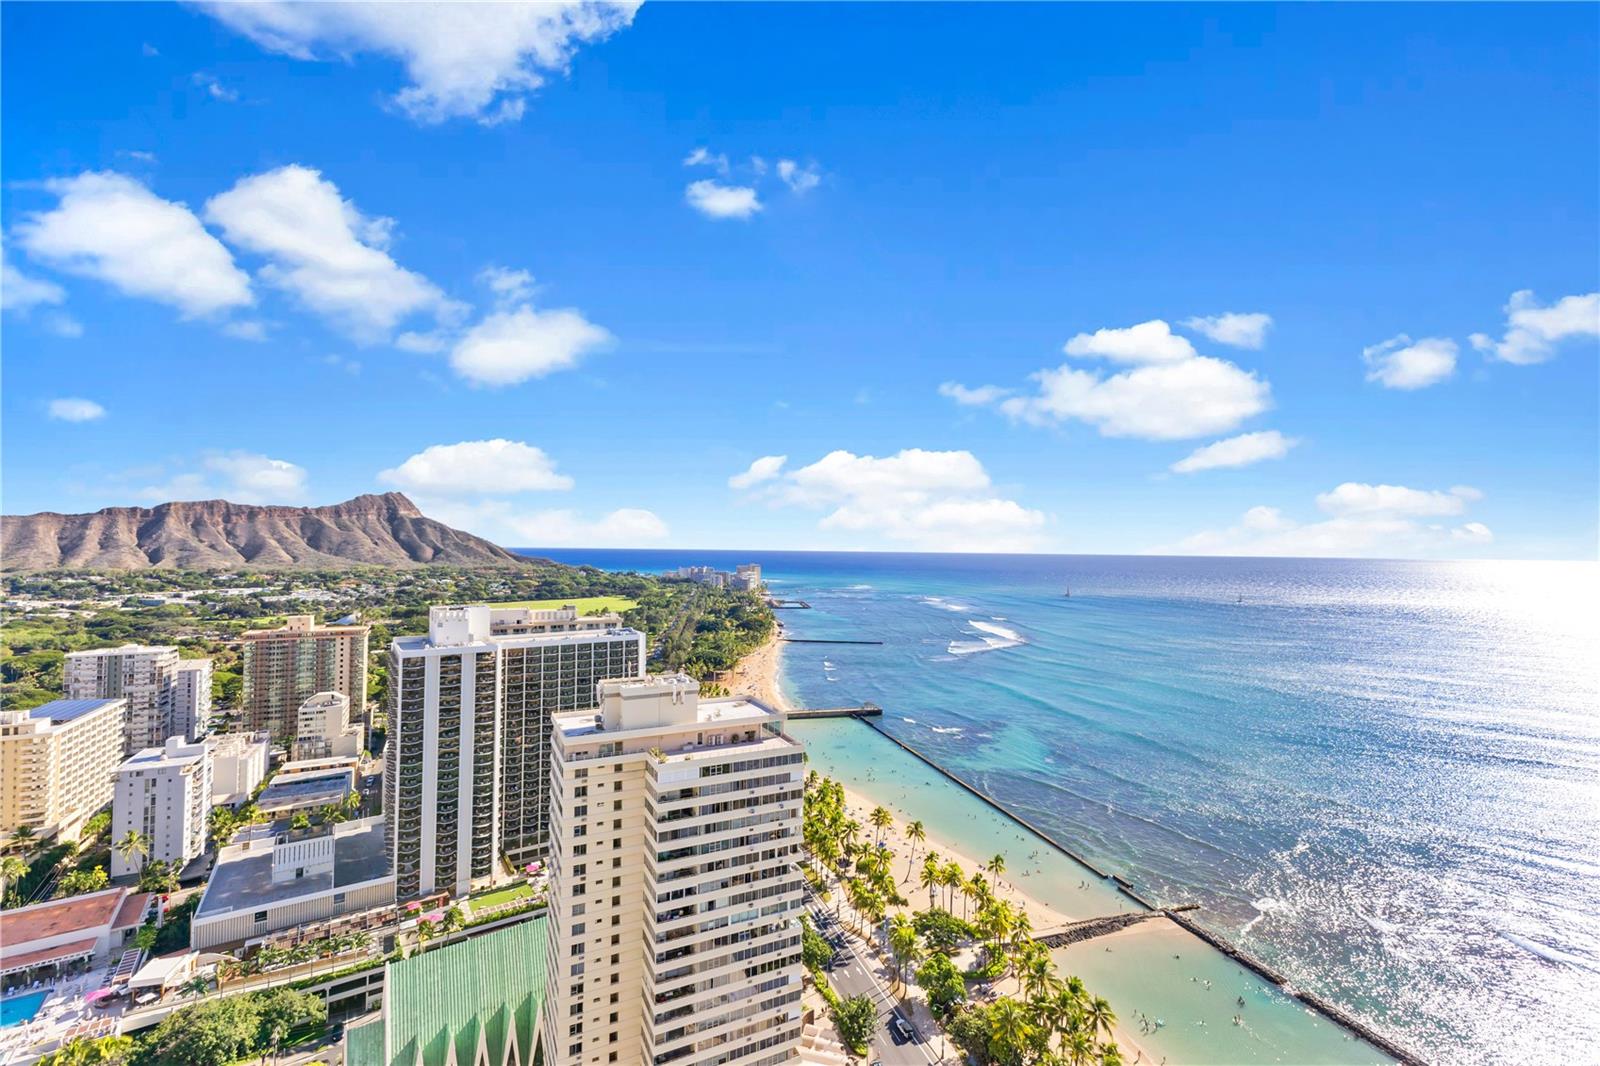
(900, 1029)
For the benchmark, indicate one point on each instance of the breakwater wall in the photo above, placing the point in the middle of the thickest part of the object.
(814, 640)
(1249, 962)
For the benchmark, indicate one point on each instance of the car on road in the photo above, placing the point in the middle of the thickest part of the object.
(900, 1030)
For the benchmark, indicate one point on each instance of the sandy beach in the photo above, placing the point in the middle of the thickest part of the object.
(757, 675)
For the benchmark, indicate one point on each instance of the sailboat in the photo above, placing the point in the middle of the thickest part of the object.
(1067, 594)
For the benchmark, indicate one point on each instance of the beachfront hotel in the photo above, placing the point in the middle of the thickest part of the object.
(284, 667)
(58, 764)
(164, 794)
(674, 931)
(140, 674)
(466, 764)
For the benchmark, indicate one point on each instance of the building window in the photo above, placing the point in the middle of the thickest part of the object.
(260, 916)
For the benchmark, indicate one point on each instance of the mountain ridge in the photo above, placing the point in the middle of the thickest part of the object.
(374, 529)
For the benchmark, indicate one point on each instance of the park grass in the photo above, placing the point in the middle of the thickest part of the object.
(520, 890)
(585, 604)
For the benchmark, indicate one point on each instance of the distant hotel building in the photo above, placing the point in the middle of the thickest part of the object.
(165, 794)
(191, 699)
(58, 764)
(284, 667)
(470, 705)
(745, 576)
(675, 895)
(142, 675)
(238, 764)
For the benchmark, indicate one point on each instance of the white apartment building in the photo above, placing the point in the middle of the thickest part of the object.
(467, 763)
(140, 674)
(239, 763)
(323, 729)
(58, 764)
(191, 699)
(675, 896)
(164, 794)
(282, 668)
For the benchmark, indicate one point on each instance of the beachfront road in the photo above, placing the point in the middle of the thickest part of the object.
(857, 973)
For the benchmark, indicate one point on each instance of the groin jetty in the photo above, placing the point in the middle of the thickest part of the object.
(787, 605)
(1178, 915)
(866, 710)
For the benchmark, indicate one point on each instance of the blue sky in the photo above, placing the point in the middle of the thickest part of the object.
(1244, 280)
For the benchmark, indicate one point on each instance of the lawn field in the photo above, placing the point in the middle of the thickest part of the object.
(586, 604)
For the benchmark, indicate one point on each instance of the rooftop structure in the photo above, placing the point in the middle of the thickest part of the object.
(58, 764)
(87, 928)
(271, 879)
(306, 790)
(477, 1000)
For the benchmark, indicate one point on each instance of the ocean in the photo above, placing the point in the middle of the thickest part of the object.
(1380, 777)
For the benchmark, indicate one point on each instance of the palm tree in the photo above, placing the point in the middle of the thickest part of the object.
(950, 876)
(881, 819)
(932, 874)
(134, 843)
(145, 938)
(454, 919)
(196, 986)
(996, 866)
(916, 834)
(22, 838)
(12, 870)
(1099, 1016)
(1110, 1055)
(1080, 1049)
(903, 945)
(1009, 1029)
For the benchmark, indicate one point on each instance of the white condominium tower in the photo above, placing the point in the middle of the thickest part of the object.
(191, 699)
(142, 675)
(164, 794)
(675, 898)
(467, 763)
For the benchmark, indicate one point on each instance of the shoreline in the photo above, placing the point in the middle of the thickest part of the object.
(758, 675)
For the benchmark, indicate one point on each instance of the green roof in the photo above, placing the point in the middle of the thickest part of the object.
(487, 986)
(363, 1045)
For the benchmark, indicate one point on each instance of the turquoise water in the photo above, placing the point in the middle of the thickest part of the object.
(17, 1010)
(1382, 778)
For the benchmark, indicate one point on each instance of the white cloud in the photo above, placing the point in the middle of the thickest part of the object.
(1365, 521)
(508, 286)
(1355, 498)
(702, 157)
(21, 292)
(1533, 331)
(1173, 401)
(215, 88)
(76, 409)
(464, 60)
(982, 396)
(715, 200)
(764, 469)
(936, 501)
(325, 252)
(498, 467)
(1237, 451)
(422, 343)
(63, 325)
(242, 477)
(1233, 328)
(505, 522)
(109, 227)
(1171, 392)
(800, 179)
(508, 347)
(1401, 363)
(1148, 342)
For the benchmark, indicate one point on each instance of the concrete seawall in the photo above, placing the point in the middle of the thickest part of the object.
(1256, 966)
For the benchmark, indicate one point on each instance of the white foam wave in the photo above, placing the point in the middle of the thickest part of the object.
(1550, 954)
(947, 729)
(1000, 631)
(944, 604)
(913, 721)
(999, 637)
(1264, 906)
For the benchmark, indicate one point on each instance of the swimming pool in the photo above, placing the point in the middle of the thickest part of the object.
(15, 1010)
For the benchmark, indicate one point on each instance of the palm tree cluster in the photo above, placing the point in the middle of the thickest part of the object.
(1052, 1022)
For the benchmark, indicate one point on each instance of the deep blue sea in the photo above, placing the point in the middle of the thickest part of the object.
(1381, 777)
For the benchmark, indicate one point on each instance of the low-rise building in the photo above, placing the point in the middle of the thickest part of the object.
(272, 878)
(191, 698)
(164, 795)
(58, 764)
(309, 785)
(324, 728)
(239, 763)
(43, 939)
